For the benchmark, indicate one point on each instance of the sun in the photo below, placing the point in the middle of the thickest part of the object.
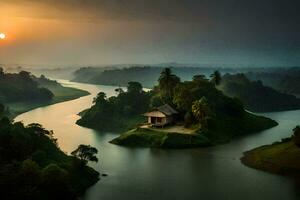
(2, 36)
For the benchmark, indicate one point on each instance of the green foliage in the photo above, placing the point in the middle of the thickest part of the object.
(285, 80)
(216, 78)
(256, 96)
(167, 83)
(86, 153)
(33, 167)
(280, 157)
(22, 87)
(149, 138)
(220, 117)
(117, 113)
(201, 111)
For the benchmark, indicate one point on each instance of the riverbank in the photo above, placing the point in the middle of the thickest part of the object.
(61, 94)
(279, 158)
(144, 137)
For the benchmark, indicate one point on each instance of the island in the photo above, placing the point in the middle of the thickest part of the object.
(280, 157)
(182, 114)
(33, 167)
(21, 92)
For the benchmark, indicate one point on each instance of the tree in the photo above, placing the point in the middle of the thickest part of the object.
(216, 78)
(134, 87)
(86, 153)
(183, 98)
(119, 90)
(296, 135)
(201, 111)
(167, 83)
(101, 98)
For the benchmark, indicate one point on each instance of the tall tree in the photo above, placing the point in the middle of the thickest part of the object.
(167, 83)
(134, 87)
(216, 78)
(201, 111)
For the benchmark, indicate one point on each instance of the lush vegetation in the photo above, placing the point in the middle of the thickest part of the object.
(285, 80)
(142, 137)
(33, 167)
(22, 92)
(280, 157)
(117, 113)
(21, 87)
(146, 75)
(257, 97)
(218, 117)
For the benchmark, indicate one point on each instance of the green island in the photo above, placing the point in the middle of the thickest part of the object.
(33, 167)
(180, 114)
(21, 92)
(280, 157)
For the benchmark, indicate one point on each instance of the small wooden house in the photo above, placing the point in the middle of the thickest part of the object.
(161, 116)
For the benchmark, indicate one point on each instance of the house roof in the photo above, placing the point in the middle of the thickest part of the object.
(167, 110)
(162, 111)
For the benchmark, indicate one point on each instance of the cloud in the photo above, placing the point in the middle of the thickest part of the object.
(158, 29)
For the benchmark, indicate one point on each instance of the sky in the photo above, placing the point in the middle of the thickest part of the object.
(100, 32)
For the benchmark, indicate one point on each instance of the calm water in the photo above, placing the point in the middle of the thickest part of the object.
(141, 173)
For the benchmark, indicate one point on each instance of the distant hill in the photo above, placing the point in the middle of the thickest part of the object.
(256, 96)
(21, 92)
(286, 80)
(146, 75)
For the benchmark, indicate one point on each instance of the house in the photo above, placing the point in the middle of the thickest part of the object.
(161, 116)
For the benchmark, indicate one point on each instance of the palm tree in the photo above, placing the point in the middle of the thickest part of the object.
(201, 111)
(167, 82)
(216, 78)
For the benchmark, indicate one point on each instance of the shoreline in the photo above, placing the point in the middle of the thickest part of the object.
(281, 158)
(19, 108)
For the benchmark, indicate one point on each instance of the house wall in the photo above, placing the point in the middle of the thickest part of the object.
(164, 120)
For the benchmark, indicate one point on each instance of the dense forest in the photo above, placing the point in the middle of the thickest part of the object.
(23, 91)
(285, 80)
(146, 75)
(200, 105)
(33, 167)
(21, 87)
(117, 113)
(256, 96)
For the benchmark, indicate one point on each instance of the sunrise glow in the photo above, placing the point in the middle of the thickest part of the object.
(2, 36)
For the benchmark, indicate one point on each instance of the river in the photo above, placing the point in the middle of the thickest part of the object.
(152, 174)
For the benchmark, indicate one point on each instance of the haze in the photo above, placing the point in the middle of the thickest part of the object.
(95, 32)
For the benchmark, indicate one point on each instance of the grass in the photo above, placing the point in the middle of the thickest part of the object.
(117, 123)
(281, 158)
(61, 94)
(142, 137)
